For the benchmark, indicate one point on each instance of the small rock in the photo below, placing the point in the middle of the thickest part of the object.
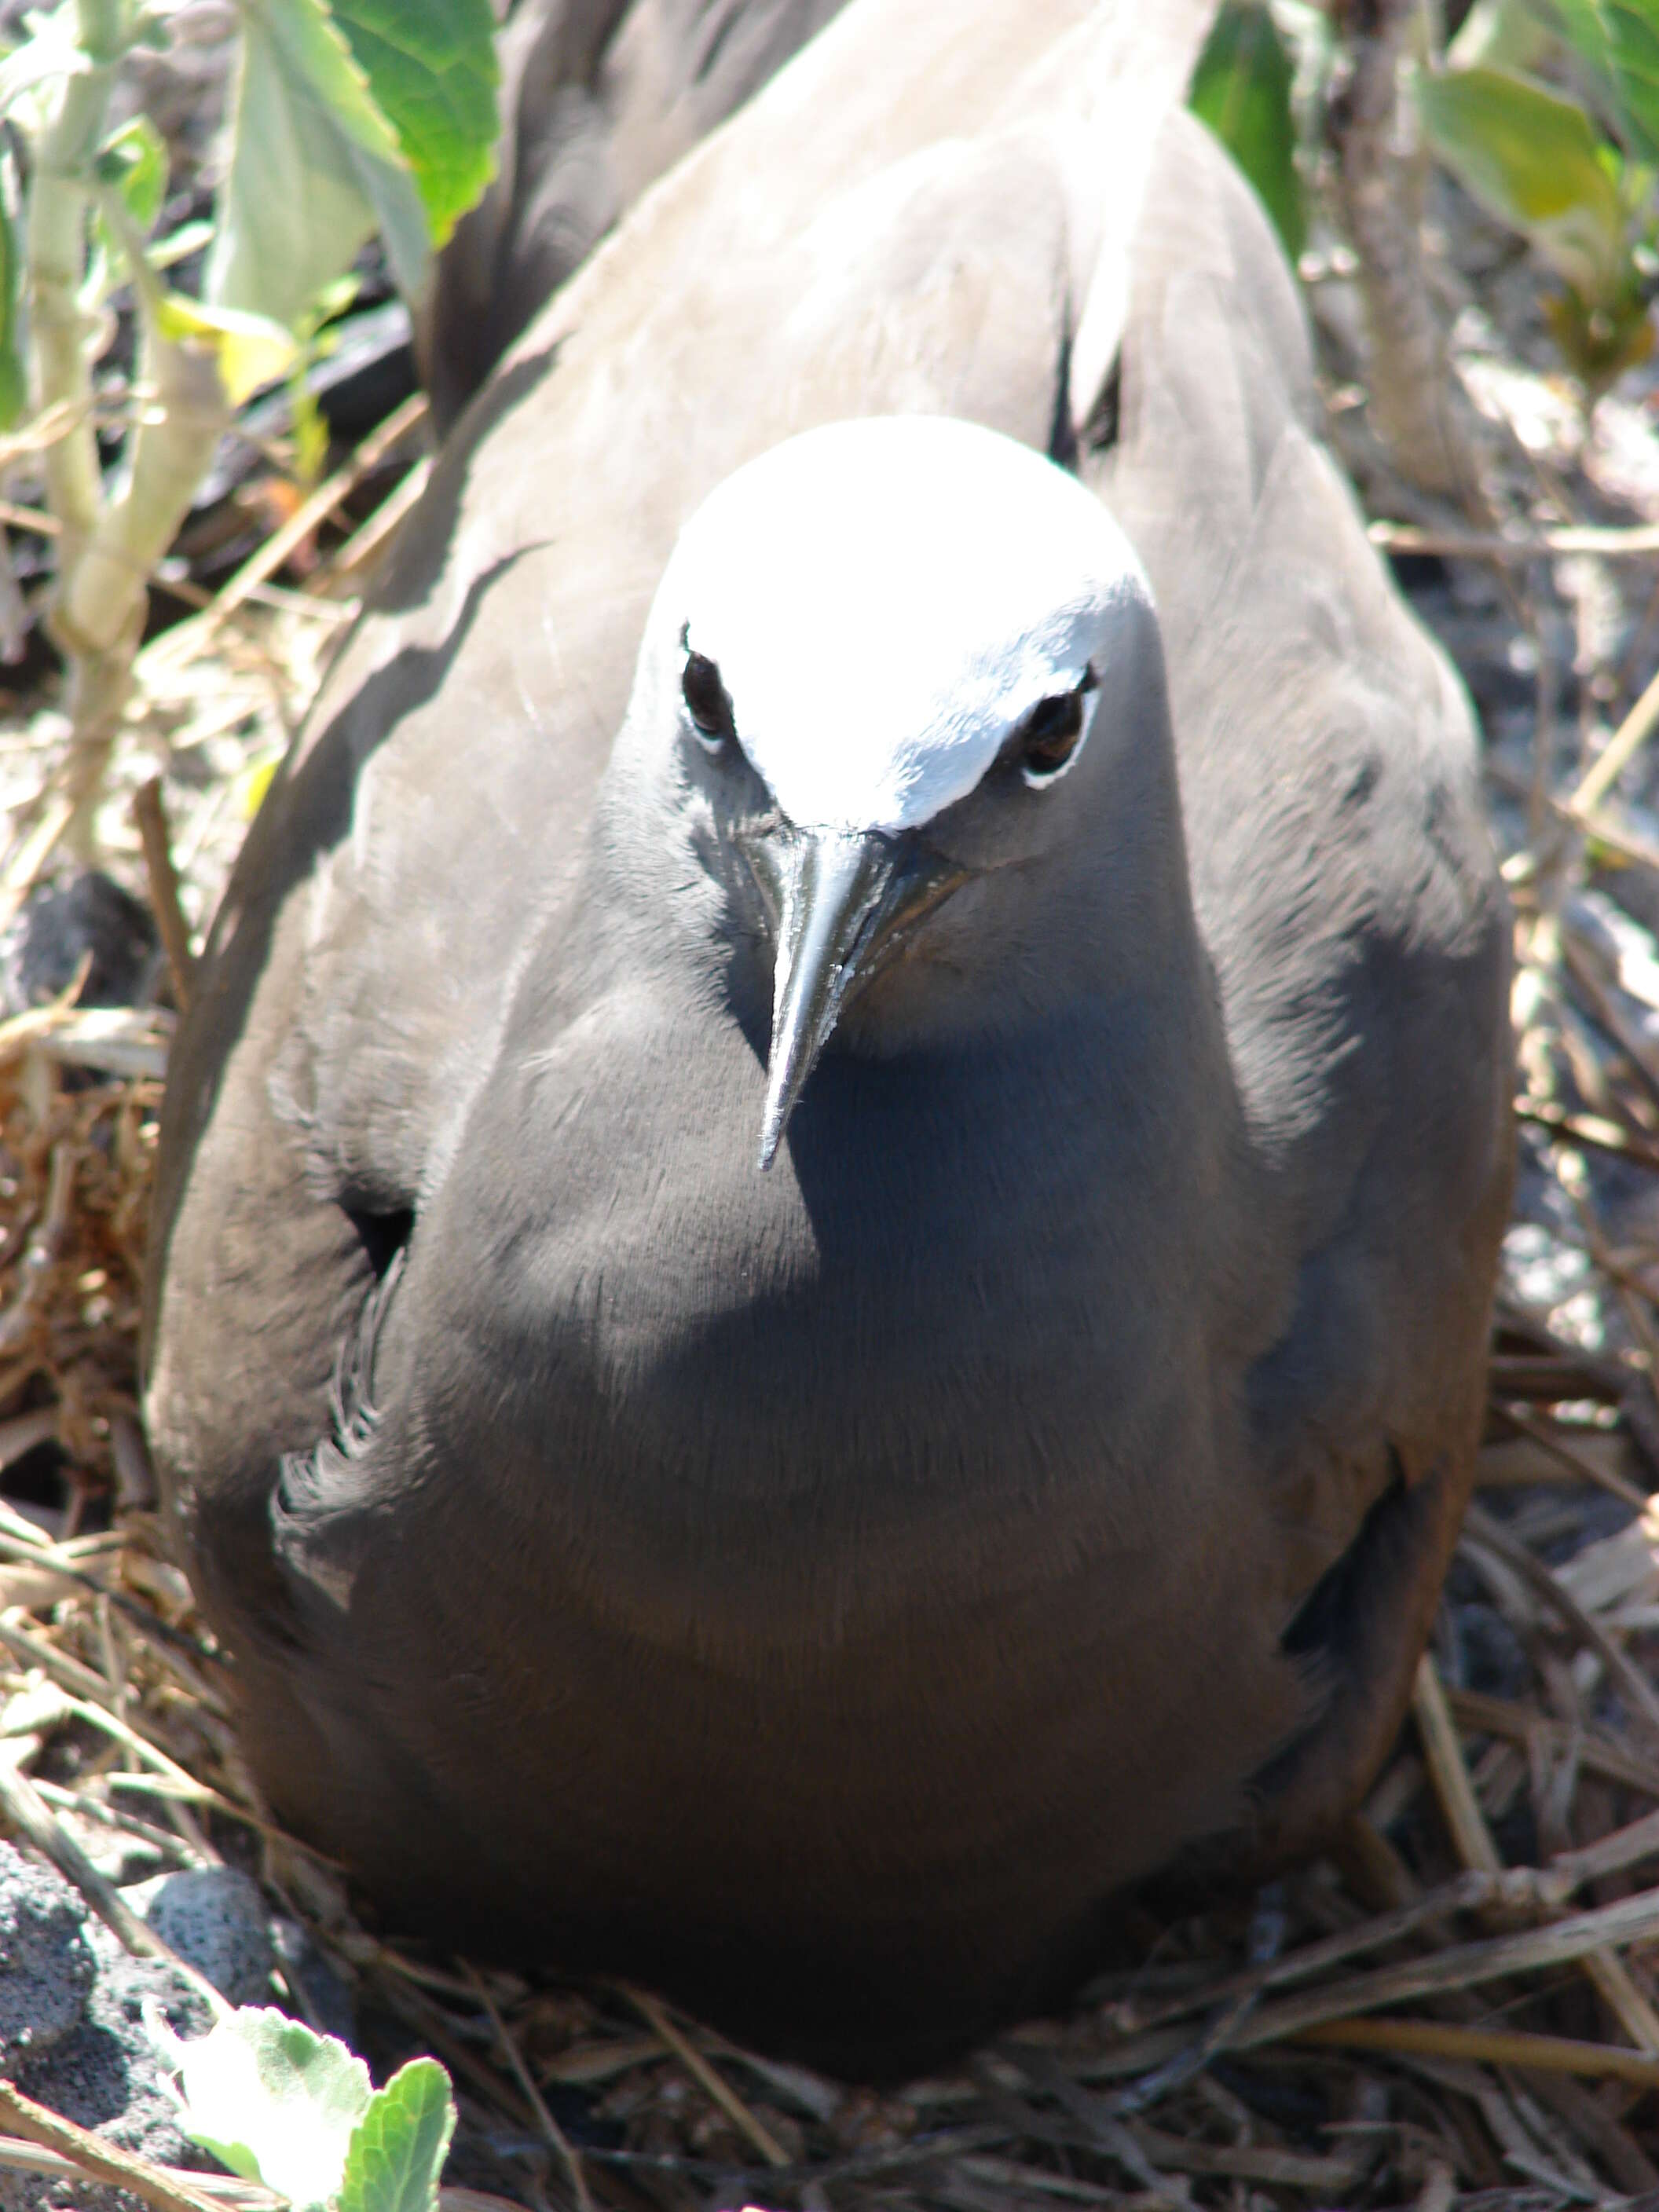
(105, 2074)
(46, 1966)
(64, 922)
(215, 1918)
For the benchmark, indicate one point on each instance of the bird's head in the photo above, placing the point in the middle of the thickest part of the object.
(895, 669)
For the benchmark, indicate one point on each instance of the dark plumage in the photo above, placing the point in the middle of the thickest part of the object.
(818, 1592)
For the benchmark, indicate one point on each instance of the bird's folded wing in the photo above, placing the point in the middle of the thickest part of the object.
(1342, 865)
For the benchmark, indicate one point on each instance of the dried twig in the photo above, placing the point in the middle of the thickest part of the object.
(704, 2075)
(1631, 1920)
(1443, 1750)
(94, 2160)
(191, 637)
(150, 811)
(1489, 2046)
(1621, 749)
(1637, 542)
(557, 2138)
(1632, 1683)
(19, 2157)
(1574, 1461)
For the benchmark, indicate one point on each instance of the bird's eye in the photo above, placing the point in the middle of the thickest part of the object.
(706, 701)
(1048, 738)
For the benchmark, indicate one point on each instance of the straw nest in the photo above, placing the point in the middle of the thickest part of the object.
(1457, 2006)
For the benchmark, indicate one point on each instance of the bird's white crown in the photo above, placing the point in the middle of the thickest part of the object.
(886, 600)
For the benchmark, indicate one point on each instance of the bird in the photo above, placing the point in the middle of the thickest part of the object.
(826, 1218)
(598, 101)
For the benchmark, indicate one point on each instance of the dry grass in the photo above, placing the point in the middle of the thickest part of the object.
(1458, 2007)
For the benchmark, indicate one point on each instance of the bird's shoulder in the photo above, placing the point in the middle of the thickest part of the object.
(1343, 876)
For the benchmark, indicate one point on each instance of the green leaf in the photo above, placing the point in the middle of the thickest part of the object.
(135, 162)
(333, 300)
(178, 245)
(398, 2151)
(433, 73)
(310, 431)
(13, 378)
(403, 230)
(1618, 41)
(1532, 159)
(312, 50)
(276, 2103)
(314, 167)
(133, 165)
(1242, 89)
(251, 349)
(1600, 344)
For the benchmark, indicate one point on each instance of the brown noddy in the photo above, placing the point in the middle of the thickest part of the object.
(1043, 837)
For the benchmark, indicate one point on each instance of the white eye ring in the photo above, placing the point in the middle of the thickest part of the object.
(1040, 778)
(708, 709)
(1062, 719)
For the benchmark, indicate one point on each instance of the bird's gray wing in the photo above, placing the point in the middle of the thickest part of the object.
(847, 245)
(598, 97)
(1346, 891)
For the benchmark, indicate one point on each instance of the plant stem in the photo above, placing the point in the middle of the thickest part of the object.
(183, 415)
(58, 200)
(62, 343)
(109, 545)
(99, 617)
(1380, 193)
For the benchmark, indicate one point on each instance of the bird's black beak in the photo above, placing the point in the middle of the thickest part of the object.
(841, 902)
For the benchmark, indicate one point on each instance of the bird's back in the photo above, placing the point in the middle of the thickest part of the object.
(598, 97)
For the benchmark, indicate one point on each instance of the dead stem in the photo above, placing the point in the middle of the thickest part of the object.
(95, 2159)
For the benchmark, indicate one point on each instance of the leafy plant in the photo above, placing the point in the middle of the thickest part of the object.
(1240, 87)
(1575, 176)
(1546, 112)
(298, 2113)
(347, 117)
